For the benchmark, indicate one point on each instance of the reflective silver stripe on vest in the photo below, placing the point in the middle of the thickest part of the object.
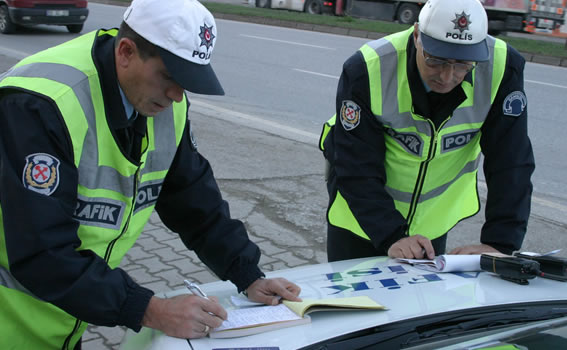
(8, 281)
(164, 134)
(60, 73)
(406, 197)
(79, 83)
(482, 92)
(391, 116)
(106, 177)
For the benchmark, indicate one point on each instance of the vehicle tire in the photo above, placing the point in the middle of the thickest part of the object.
(496, 27)
(74, 28)
(6, 24)
(408, 13)
(264, 3)
(313, 7)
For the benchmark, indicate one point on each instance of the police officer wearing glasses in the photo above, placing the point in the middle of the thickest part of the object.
(414, 113)
(95, 138)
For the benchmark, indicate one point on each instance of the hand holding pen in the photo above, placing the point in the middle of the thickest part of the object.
(184, 316)
(194, 288)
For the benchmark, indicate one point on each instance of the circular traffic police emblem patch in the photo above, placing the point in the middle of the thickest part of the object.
(41, 173)
(514, 104)
(350, 115)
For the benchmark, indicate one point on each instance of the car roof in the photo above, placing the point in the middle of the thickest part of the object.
(407, 293)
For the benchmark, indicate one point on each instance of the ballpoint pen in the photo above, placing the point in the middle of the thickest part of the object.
(194, 288)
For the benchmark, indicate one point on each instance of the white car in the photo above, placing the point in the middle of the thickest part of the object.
(425, 310)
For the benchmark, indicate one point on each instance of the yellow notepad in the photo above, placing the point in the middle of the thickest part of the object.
(333, 304)
(253, 320)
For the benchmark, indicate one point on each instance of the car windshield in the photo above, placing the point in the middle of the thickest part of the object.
(433, 328)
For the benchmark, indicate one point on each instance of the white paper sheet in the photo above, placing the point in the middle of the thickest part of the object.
(257, 315)
(446, 263)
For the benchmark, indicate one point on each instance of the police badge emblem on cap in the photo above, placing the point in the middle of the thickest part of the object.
(454, 29)
(185, 33)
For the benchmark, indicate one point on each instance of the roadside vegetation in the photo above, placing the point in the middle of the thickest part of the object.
(523, 45)
(554, 49)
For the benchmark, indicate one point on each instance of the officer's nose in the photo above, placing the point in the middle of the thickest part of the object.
(447, 72)
(175, 92)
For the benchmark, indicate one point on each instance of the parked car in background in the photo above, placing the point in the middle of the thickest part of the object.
(69, 13)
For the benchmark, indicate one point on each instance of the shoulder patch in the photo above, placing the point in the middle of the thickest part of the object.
(41, 173)
(514, 104)
(350, 115)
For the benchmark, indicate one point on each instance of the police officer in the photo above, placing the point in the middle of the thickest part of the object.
(93, 136)
(414, 112)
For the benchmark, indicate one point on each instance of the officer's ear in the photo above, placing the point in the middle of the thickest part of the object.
(125, 52)
(415, 31)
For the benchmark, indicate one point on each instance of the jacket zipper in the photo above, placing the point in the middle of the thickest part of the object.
(109, 249)
(68, 339)
(127, 224)
(423, 171)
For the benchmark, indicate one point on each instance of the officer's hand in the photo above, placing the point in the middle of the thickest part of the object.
(184, 316)
(269, 290)
(413, 247)
(474, 249)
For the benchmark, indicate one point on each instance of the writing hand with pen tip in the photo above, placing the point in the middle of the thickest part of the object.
(193, 315)
(186, 316)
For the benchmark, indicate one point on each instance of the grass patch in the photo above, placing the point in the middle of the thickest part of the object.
(537, 46)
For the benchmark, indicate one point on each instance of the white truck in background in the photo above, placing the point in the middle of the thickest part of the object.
(503, 15)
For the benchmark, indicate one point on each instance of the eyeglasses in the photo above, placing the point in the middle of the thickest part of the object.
(438, 63)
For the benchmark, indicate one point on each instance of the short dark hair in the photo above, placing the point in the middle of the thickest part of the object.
(145, 48)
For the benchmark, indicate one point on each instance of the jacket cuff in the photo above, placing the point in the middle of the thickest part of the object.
(244, 276)
(502, 248)
(400, 233)
(135, 307)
